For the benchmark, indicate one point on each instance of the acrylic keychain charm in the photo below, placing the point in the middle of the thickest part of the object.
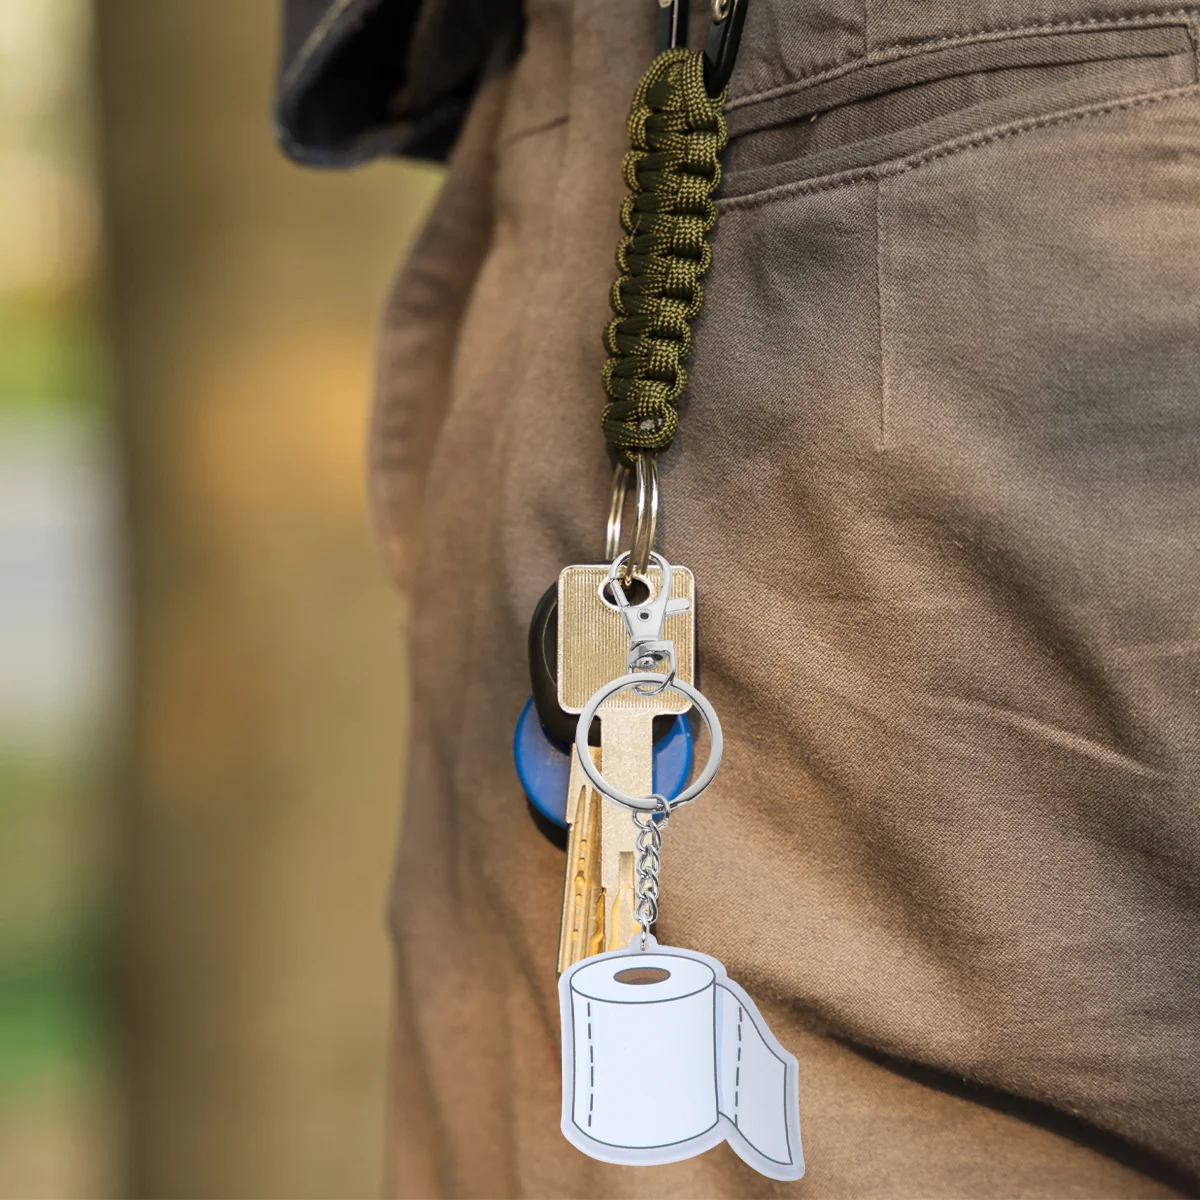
(667, 1020)
(664, 1056)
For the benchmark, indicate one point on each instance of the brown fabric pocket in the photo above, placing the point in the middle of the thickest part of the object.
(903, 100)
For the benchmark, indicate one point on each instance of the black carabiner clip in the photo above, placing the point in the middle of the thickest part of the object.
(724, 35)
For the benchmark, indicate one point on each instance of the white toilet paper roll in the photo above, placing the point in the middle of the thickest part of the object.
(664, 1056)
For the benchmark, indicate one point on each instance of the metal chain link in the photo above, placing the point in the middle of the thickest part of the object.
(649, 847)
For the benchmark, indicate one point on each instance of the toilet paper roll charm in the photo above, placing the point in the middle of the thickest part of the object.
(664, 1056)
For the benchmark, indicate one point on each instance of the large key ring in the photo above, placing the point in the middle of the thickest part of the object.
(669, 683)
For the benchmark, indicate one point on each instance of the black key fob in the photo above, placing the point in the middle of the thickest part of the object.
(543, 672)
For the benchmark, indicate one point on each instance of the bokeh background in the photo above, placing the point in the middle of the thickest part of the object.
(202, 702)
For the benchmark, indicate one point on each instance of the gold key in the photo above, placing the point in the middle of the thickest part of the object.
(593, 649)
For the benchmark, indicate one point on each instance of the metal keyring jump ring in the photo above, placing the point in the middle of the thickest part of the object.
(645, 524)
(649, 803)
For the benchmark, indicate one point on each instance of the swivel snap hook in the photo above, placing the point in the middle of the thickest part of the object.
(648, 648)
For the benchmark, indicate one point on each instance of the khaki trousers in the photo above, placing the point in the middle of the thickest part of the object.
(939, 481)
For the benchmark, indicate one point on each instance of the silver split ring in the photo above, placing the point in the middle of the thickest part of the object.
(649, 803)
(645, 524)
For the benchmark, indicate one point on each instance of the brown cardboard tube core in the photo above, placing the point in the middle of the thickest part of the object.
(642, 975)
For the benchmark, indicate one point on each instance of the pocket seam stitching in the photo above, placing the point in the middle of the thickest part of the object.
(972, 142)
(894, 51)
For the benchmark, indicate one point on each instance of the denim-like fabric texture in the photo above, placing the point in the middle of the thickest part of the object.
(938, 477)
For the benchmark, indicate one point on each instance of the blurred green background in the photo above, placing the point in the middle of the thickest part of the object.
(201, 676)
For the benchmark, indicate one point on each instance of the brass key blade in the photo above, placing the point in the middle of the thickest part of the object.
(627, 761)
(582, 932)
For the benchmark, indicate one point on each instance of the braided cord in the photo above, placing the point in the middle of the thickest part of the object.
(676, 131)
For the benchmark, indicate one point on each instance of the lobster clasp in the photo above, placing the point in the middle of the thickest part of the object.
(648, 649)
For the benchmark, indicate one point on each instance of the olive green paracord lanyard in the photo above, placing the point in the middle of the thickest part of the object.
(676, 132)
